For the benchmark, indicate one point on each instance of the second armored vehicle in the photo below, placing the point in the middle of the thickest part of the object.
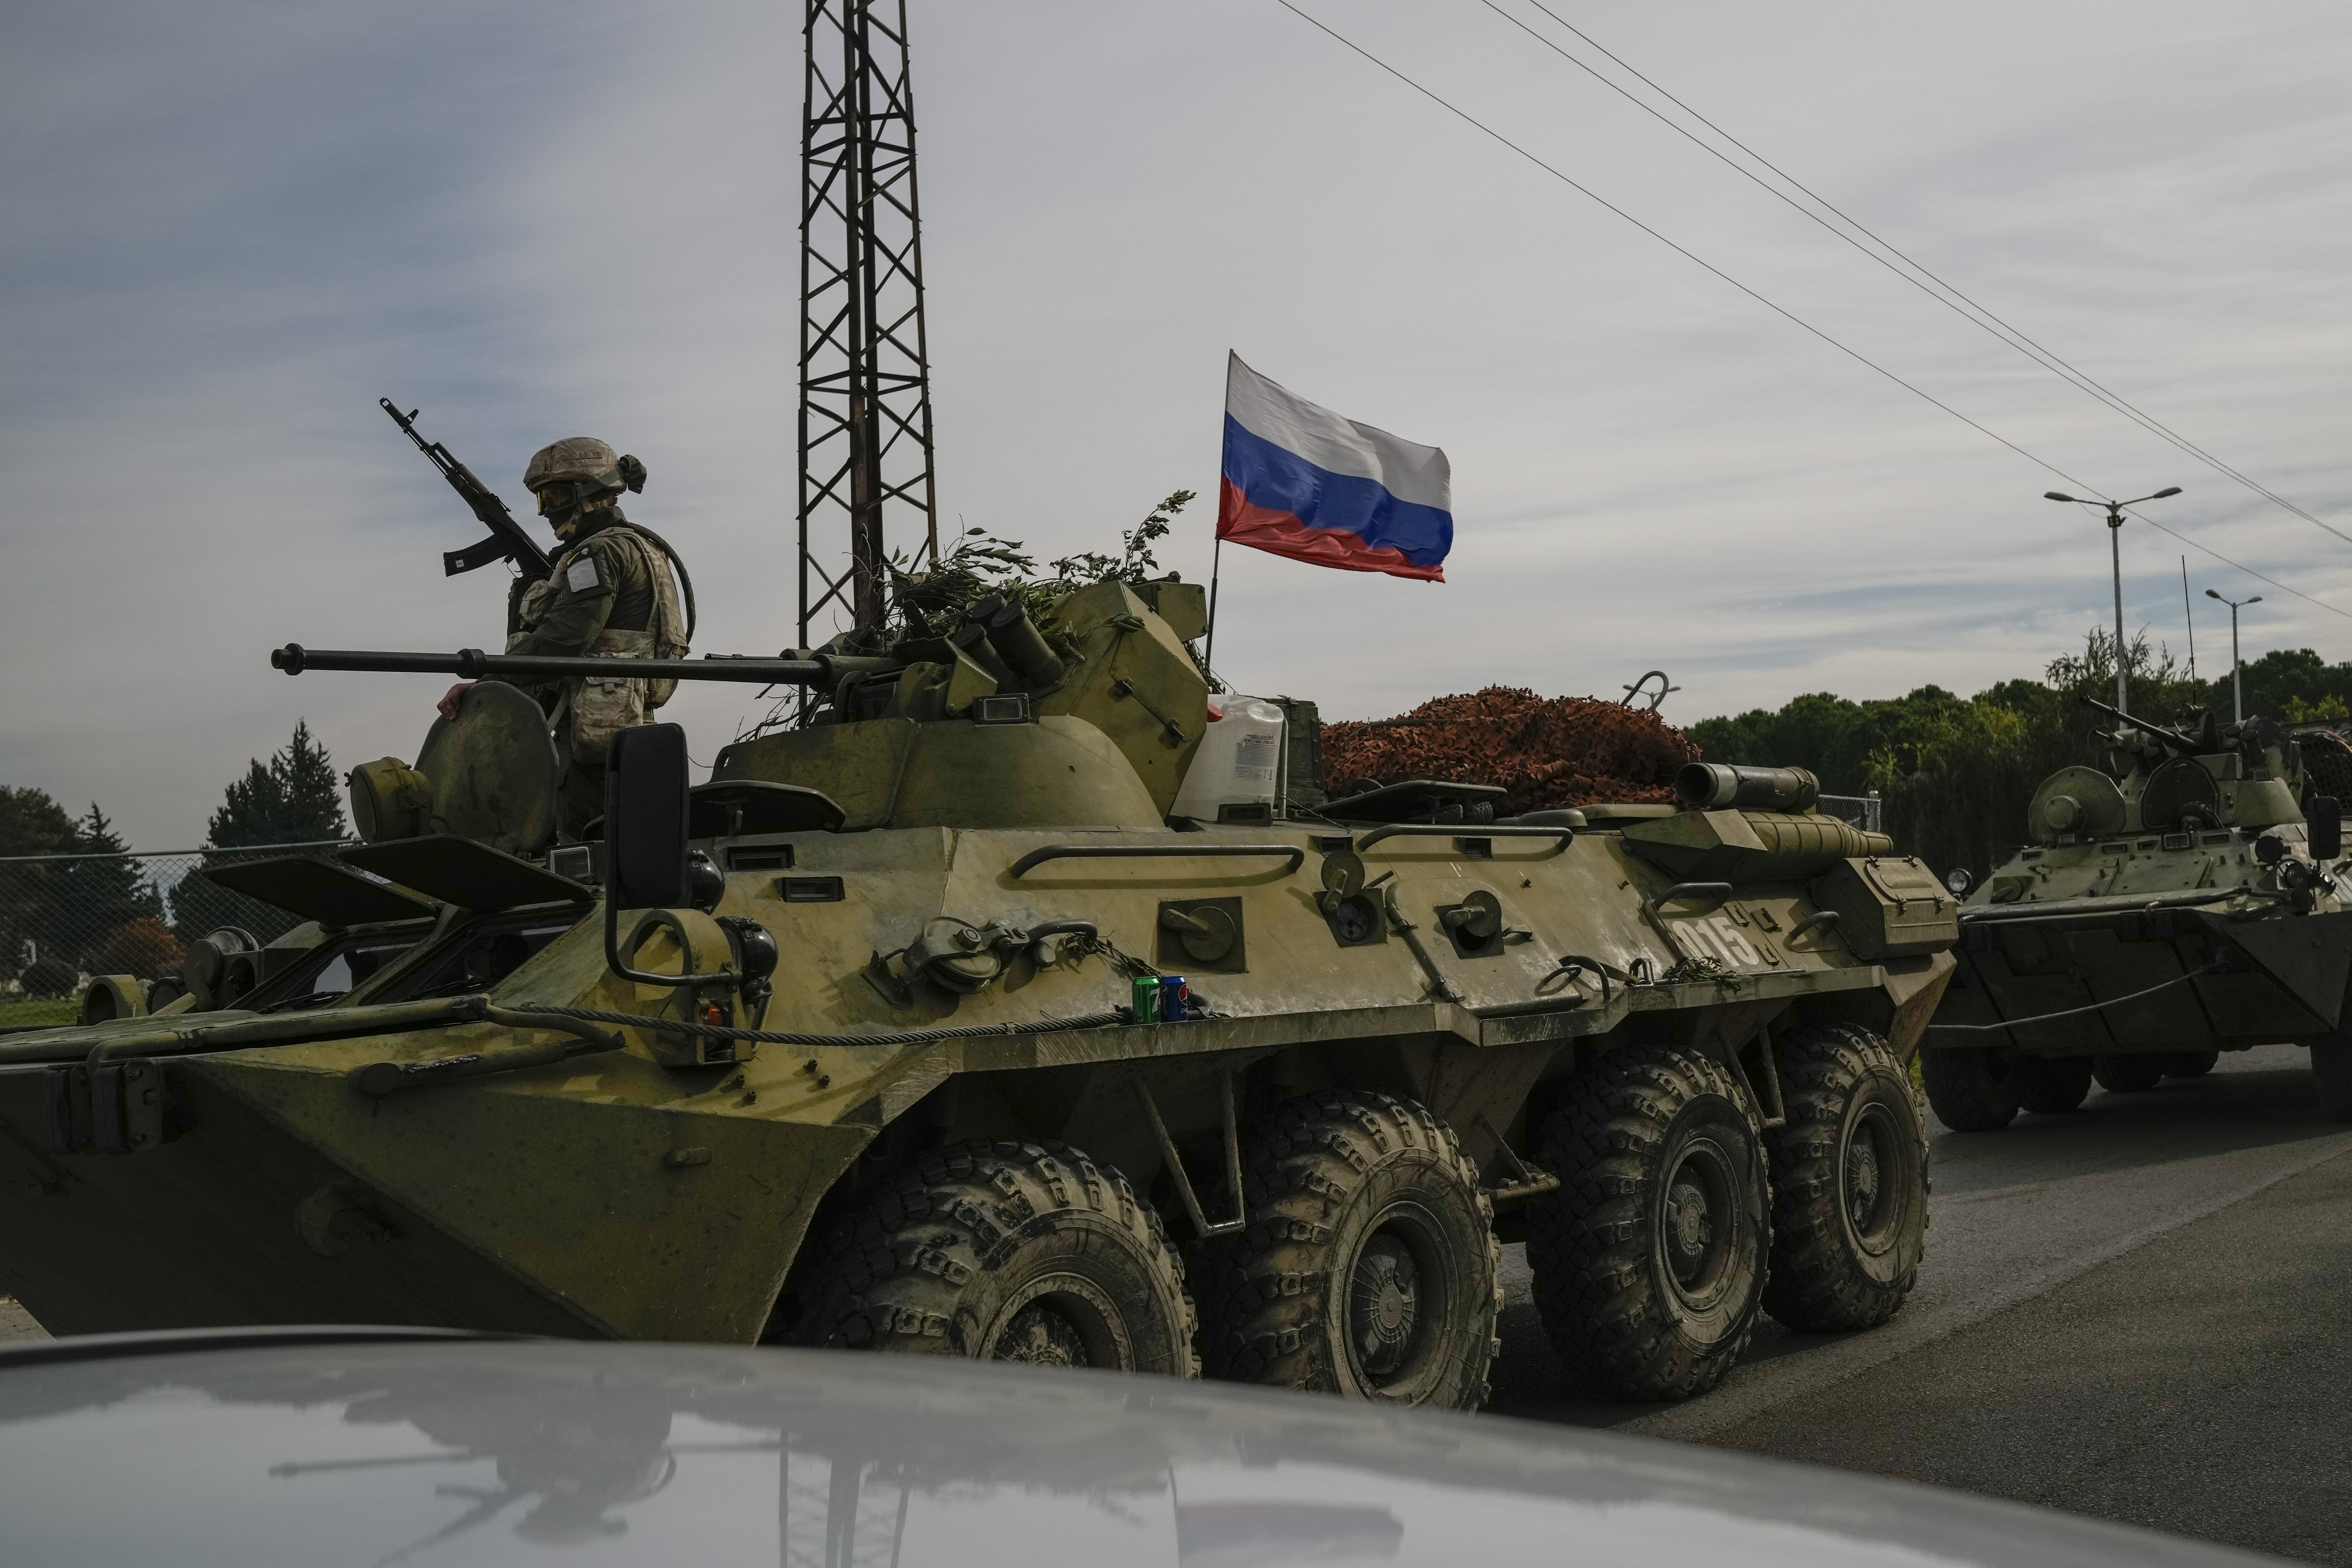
(2186, 901)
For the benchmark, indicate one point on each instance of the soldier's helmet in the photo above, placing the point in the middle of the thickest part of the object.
(582, 460)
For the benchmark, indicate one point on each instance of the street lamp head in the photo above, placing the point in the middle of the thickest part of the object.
(2060, 495)
(2212, 594)
(2255, 600)
(2161, 494)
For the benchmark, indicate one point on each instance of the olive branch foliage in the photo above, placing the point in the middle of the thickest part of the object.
(934, 602)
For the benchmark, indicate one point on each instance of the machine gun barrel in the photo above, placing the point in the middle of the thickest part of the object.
(2172, 737)
(473, 663)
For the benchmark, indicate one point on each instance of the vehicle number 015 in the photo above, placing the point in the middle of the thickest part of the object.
(1718, 937)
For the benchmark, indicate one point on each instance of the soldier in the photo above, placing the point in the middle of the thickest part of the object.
(613, 592)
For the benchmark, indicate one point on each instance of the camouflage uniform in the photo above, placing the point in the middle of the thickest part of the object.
(613, 592)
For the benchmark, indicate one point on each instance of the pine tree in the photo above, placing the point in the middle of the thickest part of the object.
(104, 910)
(30, 823)
(310, 787)
(293, 798)
(115, 888)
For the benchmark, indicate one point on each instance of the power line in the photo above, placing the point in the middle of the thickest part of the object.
(2247, 570)
(1856, 354)
(1950, 297)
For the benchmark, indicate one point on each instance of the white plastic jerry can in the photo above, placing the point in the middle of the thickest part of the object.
(1239, 759)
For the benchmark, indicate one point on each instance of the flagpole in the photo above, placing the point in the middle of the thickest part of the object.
(1216, 565)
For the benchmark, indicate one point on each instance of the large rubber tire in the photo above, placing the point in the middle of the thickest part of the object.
(2053, 1085)
(1369, 1267)
(2190, 1064)
(1004, 1251)
(2127, 1075)
(1849, 1182)
(2331, 1067)
(1649, 1260)
(1973, 1090)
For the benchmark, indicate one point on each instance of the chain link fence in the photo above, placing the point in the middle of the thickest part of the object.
(65, 918)
(1864, 811)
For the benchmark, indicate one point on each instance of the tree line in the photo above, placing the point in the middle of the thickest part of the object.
(73, 901)
(1955, 773)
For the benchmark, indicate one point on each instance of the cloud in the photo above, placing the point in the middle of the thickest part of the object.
(231, 230)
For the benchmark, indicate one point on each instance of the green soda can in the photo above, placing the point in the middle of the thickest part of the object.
(1147, 998)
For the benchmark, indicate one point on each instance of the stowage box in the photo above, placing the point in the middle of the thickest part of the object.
(1888, 907)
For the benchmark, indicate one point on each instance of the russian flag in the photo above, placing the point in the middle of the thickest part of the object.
(1301, 481)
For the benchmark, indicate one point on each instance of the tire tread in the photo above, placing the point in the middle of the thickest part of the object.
(889, 1276)
(1815, 1286)
(1264, 1295)
(1589, 1241)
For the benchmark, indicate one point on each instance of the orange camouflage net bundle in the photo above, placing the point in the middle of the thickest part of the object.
(1545, 751)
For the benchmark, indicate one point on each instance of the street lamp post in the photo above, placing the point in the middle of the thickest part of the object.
(2237, 687)
(2116, 551)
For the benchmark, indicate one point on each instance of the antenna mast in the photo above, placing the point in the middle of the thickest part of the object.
(865, 381)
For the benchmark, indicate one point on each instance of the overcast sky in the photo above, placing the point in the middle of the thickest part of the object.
(229, 227)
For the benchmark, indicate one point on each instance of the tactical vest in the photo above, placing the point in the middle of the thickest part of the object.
(602, 706)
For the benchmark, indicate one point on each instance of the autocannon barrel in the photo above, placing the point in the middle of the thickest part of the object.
(2174, 737)
(473, 663)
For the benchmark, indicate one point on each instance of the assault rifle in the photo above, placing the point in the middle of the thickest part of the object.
(507, 540)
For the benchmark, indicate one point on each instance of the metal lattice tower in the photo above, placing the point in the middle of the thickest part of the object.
(843, 1517)
(865, 384)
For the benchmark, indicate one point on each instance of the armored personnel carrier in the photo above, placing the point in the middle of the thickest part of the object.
(931, 1025)
(2185, 901)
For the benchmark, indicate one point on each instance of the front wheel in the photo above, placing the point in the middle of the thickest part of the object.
(1849, 1182)
(1973, 1090)
(1002, 1251)
(2052, 1086)
(1649, 1260)
(2128, 1074)
(1369, 1267)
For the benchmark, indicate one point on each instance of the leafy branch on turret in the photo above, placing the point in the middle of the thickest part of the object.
(932, 603)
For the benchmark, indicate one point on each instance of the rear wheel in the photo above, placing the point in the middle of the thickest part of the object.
(1649, 1260)
(2190, 1064)
(1849, 1182)
(1369, 1267)
(1974, 1090)
(2051, 1085)
(1002, 1251)
(2128, 1074)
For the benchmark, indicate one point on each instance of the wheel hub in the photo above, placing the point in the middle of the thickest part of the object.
(1873, 1176)
(1689, 1228)
(1862, 1179)
(1698, 1222)
(1040, 1336)
(1383, 1305)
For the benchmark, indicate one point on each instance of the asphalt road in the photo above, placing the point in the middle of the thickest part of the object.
(2138, 1311)
(2142, 1311)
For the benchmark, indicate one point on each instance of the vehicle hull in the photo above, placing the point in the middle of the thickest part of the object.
(2133, 981)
